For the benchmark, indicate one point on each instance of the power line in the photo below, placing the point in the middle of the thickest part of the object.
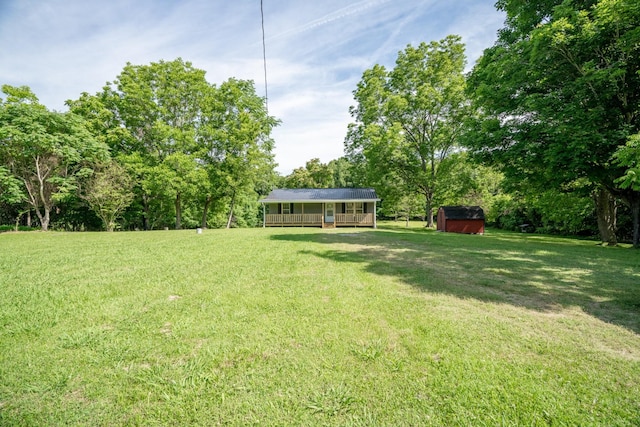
(264, 60)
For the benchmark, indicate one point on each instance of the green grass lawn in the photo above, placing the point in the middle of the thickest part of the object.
(300, 326)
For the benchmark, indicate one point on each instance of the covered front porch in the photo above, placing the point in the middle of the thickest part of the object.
(325, 215)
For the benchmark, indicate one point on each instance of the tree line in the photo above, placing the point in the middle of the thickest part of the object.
(159, 146)
(544, 130)
(554, 106)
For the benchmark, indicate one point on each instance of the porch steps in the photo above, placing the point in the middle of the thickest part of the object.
(328, 224)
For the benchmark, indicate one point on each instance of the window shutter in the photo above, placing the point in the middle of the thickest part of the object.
(364, 207)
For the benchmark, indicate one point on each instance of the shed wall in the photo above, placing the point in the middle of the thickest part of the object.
(441, 221)
(469, 226)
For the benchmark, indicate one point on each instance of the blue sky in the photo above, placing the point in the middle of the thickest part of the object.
(316, 50)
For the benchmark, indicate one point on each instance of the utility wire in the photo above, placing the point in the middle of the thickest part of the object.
(264, 59)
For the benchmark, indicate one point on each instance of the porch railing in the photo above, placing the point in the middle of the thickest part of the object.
(316, 219)
(293, 219)
(354, 219)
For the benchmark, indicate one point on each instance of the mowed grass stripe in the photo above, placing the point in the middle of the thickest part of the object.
(300, 326)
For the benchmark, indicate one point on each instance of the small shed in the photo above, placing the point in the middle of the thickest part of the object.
(461, 219)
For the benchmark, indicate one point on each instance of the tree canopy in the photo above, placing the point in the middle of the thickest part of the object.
(560, 93)
(187, 142)
(315, 174)
(45, 152)
(408, 120)
(158, 145)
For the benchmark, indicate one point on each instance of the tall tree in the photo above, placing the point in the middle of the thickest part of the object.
(47, 151)
(184, 139)
(159, 104)
(235, 144)
(408, 120)
(560, 92)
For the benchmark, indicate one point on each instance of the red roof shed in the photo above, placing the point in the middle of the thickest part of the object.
(461, 219)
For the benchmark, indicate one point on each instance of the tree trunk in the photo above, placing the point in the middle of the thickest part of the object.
(429, 210)
(29, 218)
(145, 215)
(635, 212)
(44, 219)
(606, 215)
(233, 202)
(205, 212)
(35, 197)
(178, 213)
(18, 221)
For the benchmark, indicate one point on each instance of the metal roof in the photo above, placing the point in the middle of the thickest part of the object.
(320, 195)
(463, 212)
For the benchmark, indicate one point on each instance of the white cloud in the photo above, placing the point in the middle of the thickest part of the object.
(316, 51)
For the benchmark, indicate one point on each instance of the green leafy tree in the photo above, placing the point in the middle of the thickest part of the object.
(11, 191)
(152, 201)
(560, 92)
(341, 171)
(628, 156)
(153, 110)
(108, 192)
(409, 119)
(12, 197)
(184, 178)
(315, 174)
(399, 203)
(188, 143)
(49, 152)
(300, 178)
(236, 146)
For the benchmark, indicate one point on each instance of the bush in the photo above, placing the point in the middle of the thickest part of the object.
(5, 228)
(550, 212)
(508, 213)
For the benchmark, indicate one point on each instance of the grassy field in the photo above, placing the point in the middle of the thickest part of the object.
(392, 327)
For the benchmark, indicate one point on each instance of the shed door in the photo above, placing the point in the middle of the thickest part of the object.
(328, 212)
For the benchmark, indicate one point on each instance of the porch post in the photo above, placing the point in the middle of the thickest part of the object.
(264, 215)
(375, 214)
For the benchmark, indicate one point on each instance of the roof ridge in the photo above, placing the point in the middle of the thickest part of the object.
(319, 194)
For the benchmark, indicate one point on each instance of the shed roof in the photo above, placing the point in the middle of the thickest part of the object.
(463, 212)
(321, 195)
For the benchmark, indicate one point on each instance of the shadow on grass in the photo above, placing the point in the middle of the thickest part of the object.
(536, 272)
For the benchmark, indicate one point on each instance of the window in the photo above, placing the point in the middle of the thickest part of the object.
(359, 208)
(350, 207)
(286, 208)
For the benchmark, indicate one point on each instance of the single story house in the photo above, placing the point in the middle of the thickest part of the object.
(320, 207)
(461, 219)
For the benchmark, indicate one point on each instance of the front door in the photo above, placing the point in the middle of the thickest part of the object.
(328, 212)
